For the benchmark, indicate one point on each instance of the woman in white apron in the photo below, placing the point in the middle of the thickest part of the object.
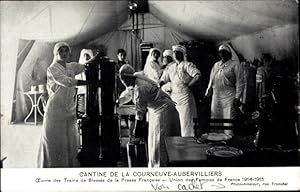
(59, 137)
(182, 74)
(226, 85)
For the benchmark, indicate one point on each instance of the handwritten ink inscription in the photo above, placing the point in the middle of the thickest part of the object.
(200, 185)
(159, 187)
(194, 185)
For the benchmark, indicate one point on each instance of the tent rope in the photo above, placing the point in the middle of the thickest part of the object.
(28, 43)
(175, 36)
(143, 27)
(50, 21)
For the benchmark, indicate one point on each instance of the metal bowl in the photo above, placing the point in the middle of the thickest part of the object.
(215, 137)
(224, 152)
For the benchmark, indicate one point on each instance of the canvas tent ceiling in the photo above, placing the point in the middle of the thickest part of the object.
(69, 21)
(252, 26)
(79, 21)
(221, 20)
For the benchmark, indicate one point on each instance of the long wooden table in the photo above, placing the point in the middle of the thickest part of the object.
(186, 152)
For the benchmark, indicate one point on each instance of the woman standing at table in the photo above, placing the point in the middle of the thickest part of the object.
(226, 85)
(59, 137)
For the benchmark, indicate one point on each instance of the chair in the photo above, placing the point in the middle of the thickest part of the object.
(127, 111)
(137, 153)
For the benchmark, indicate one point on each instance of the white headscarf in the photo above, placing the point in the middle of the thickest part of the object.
(228, 48)
(180, 48)
(168, 52)
(58, 45)
(82, 59)
(149, 57)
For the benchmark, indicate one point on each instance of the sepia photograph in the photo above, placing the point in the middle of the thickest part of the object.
(148, 95)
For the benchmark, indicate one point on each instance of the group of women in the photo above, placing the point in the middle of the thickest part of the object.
(161, 89)
(226, 86)
(168, 115)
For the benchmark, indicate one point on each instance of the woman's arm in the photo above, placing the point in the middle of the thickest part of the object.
(209, 89)
(195, 73)
(77, 68)
(240, 81)
(194, 80)
(165, 78)
(60, 78)
(140, 103)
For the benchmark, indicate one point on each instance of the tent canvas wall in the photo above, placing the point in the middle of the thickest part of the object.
(39, 56)
(253, 27)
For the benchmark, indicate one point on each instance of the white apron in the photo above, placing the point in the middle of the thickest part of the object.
(227, 83)
(180, 75)
(59, 138)
(163, 120)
